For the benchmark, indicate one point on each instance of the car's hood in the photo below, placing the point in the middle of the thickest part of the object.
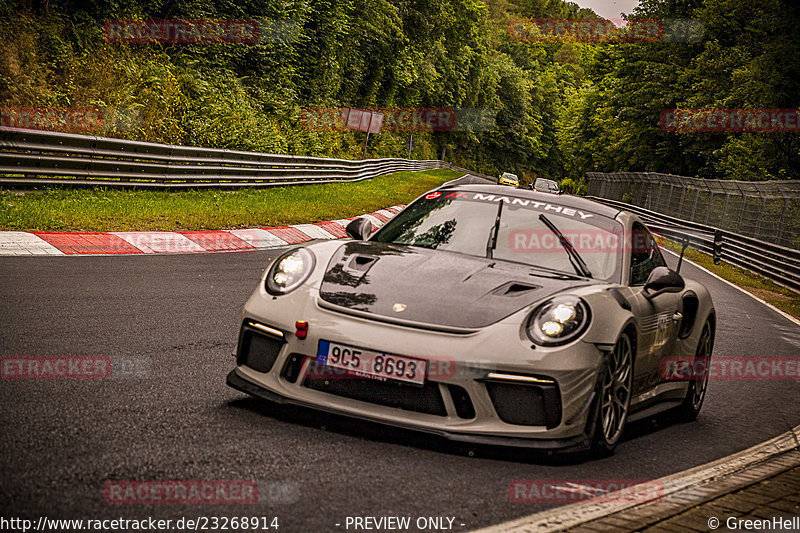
(433, 287)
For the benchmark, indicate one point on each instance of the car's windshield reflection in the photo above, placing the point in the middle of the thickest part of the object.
(464, 226)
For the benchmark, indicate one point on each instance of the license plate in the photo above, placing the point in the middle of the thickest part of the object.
(372, 364)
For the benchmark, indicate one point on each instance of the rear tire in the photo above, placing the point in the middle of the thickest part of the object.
(696, 392)
(613, 398)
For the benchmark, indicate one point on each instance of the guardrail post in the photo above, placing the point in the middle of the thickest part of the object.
(696, 199)
(710, 203)
(658, 195)
(741, 210)
(724, 209)
(780, 220)
(760, 215)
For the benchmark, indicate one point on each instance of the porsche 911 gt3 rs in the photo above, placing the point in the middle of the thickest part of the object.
(482, 314)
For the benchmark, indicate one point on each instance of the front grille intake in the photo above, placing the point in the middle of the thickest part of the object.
(525, 404)
(421, 399)
(256, 349)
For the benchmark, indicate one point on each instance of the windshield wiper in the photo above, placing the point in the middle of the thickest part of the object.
(574, 258)
(492, 242)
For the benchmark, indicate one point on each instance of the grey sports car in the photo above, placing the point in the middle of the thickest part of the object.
(482, 314)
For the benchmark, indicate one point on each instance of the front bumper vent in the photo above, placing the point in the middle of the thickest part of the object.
(525, 404)
(461, 401)
(291, 369)
(258, 346)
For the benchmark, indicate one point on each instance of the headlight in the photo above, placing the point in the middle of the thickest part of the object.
(558, 321)
(289, 271)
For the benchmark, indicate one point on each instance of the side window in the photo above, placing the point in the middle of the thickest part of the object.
(645, 255)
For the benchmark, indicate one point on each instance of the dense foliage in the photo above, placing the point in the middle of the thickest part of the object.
(561, 108)
(748, 57)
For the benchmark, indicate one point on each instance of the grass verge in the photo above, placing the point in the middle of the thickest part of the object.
(784, 299)
(103, 209)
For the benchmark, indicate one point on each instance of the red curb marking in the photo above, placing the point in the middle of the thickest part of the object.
(333, 228)
(88, 243)
(289, 234)
(107, 243)
(215, 240)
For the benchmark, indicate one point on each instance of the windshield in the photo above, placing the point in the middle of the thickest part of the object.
(463, 222)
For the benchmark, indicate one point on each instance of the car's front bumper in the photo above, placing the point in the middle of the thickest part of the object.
(469, 357)
(577, 443)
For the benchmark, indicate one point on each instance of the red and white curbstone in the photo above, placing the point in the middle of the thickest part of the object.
(176, 242)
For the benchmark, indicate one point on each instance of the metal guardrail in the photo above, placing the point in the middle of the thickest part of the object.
(85, 160)
(765, 210)
(778, 263)
(450, 166)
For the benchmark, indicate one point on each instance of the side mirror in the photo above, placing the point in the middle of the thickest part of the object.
(662, 280)
(359, 229)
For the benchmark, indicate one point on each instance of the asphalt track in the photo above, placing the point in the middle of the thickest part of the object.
(63, 439)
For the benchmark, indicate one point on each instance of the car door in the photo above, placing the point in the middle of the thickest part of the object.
(657, 317)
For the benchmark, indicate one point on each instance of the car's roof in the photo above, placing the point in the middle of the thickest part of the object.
(483, 186)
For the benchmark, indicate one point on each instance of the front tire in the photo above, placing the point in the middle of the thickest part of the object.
(696, 392)
(614, 398)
